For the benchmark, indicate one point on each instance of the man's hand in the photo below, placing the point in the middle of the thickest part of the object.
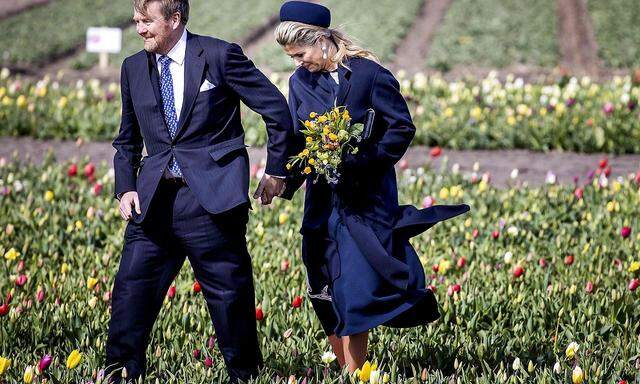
(268, 188)
(128, 200)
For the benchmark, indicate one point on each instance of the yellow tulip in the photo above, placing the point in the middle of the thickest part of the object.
(444, 193)
(634, 267)
(283, 218)
(577, 376)
(62, 102)
(48, 196)
(4, 365)
(28, 374)
(572, 349)
(91, 282)
(64, 268)
(74, 359)
(365, 372)
(21, 101)
(11, 254)
(79, 224)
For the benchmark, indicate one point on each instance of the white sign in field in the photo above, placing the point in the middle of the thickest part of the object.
(104, 40)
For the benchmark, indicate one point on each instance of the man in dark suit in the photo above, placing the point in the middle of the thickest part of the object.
(189, 196)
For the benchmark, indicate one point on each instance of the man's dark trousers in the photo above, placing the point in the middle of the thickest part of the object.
(153, 253)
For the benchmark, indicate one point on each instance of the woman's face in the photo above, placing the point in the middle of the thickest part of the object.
(307, 56)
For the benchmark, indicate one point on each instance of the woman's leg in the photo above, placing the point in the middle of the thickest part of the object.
(355, 350)
(336, 345)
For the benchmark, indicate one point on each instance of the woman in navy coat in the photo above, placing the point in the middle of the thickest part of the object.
(361, 270)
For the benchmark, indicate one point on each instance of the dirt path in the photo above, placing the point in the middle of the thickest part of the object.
(10, 8)
(576, 38)
(413, 50)
(532, 166)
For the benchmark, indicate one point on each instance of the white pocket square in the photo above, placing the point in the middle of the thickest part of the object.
(206, 85)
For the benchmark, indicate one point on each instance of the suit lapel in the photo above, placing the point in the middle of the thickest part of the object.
(194, 65)
(344, 74)
(154, 78)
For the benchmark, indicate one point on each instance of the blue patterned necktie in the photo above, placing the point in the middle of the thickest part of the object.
(169, 107)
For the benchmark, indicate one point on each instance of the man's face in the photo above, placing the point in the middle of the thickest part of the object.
(158, 33)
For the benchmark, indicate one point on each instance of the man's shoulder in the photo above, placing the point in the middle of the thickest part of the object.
(210, 43)
(136, 58)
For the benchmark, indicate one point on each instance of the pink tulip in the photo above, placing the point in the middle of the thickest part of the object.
(428, 202)
(633, 285)
(625, 232)
(589, 287)
(196, 353)
(45, 362)
(40, 295)
(208, 362)
(21, 280)
(608, 108)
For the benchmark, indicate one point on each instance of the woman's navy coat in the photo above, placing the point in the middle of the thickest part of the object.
(365, 206)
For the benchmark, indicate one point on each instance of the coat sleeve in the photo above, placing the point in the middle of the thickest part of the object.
(259, 94)
(128, 143)
(390, 106)
(296, 143)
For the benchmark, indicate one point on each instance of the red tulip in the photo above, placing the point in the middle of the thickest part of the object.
(21, 280)
(435, 152)
(89, 170)
(435, 268)
(625, 232)
(633, 285)
(462, 261)
(44, 363)
(284, 265)
(568, 260)
(453, 289)
(518, 271)
(495, 234)
(259, 314)
(73, 170)
(208, 362)
(9, 297)
(542, 262)
(4, 309)
(638, 177)
(196, 353)
(589, 287)
(432, 288)
(97, 188)
(171, 292)
(196, 287)
(475, 233)
(403, 164)
(622, 382)
(297, 302)
(607, 171)
(603, 163)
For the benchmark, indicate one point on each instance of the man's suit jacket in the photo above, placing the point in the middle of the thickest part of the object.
(209, 144)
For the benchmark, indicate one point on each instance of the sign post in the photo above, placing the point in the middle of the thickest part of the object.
(104, 41)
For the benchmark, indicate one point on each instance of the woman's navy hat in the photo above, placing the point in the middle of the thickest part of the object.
(307, 13)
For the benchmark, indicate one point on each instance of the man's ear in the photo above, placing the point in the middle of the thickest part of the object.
(176, 18)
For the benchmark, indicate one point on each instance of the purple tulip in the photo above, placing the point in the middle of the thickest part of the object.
(571, 102)
(45, 362)
(632, 104)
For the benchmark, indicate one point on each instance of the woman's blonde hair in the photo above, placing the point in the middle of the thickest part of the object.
(294, 33)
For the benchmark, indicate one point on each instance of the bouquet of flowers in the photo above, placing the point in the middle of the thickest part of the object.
(327, 136)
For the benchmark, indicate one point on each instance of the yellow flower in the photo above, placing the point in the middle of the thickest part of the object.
(386, 378)
(443, 266)
(312, 161)
(11, 254)
(345, 115)
(91, 282)
(74, 359)
(48, 196)
(444, 193)
(41, 91)
(333, 137)
(62, 102)
(577, 376)
(28, 374)
(325, 130)
(476, 113)
(313, 115)
(322, 119)
(283, 218)
(634, 267)
(511, 120)
(365, 372)
(543, 111)
(306, 170)
(448, 112)
(4, 365)
(571, 350)
(79, 224)
(21, 101)
(309, 139)
(6, 101)
(288, 166)
(64, 268)
(560, 108)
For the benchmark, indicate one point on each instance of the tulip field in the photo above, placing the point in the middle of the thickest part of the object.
(574, 114)
(535, 285)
